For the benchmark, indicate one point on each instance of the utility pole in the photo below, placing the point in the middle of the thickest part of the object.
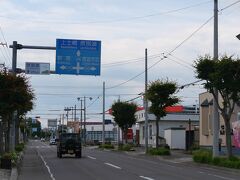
(75, 109)
(84, 117)
(215, 107)
(103, 120)
(81, 118)
(146, 104)
(14, 118)
(63, 119)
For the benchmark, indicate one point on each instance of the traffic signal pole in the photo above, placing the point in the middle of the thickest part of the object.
(15, 46)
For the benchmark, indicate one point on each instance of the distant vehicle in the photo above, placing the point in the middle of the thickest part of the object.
(52, 141)
(69, 143)
(42, 139)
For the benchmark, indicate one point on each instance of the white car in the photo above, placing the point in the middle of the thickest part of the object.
(52, 142)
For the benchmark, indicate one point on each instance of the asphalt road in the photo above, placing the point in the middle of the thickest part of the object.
(41, 163)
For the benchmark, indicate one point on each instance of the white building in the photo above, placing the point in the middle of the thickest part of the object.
(176, 117)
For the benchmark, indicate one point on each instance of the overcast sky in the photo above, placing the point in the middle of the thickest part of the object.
(125, 28)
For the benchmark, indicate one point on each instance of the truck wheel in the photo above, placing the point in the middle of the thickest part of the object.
(78, 155)
(59, 154)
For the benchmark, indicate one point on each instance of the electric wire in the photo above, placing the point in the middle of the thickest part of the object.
(188, 67)
(119, 19)
(93, 101)
(6, 51)
(174, 49)
(230, 5)
(182, 60)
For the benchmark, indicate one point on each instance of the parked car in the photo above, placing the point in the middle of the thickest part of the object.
(42, 139)
(52, 141)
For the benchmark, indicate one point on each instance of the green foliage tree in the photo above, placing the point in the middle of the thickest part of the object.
(15, 95)
(161, 94)
(124, 115)
(223, 75)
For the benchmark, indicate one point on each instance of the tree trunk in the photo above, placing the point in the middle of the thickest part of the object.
(157, 131)
(7, 136)
(228, 137)
(125, 135)
(1, 137)
(17, 131)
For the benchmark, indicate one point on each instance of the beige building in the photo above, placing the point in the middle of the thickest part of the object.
(206, 119)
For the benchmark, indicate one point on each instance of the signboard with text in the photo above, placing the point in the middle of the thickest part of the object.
(79, 57)
(37, 68)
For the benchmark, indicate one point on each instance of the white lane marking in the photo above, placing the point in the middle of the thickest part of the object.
(49, 171)
(218, 176)
(91, 157)
(144, 177)
(223, 177)
(112, 165)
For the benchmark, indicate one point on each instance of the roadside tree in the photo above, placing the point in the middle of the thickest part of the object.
(223, 75)
(16, 96)
(124, 115)
(161, 95)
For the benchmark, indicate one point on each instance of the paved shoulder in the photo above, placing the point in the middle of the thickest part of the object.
(32, 166)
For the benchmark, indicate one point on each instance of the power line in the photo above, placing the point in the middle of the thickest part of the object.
(119, 19)
(182, 60)
(93, 102)
(174, 49)
(230, 5)
(6, 45)
(189, 67)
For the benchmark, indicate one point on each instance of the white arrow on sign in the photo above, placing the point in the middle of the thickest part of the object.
(78, 68)
(92, 68)
(63, 67)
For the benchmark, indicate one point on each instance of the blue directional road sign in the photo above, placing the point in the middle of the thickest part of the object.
(79, 57)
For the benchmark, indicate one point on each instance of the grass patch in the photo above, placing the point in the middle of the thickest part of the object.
(106, 146)
(161, 151)
(125, 147)
(205, 156)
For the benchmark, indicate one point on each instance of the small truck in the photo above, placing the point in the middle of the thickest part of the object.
(69, 143)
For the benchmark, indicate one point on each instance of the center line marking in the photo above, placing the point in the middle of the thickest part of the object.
(91, 157)
(148, 178)
(48, 168)
(112, 165)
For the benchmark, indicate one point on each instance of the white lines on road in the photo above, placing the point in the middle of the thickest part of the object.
(222, 177)
(144, 177)
(49, 171)
(112, 165)
(218, 176)
(91, 157)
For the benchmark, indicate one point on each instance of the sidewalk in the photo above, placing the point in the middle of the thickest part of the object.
(5, 174)
(177, 156)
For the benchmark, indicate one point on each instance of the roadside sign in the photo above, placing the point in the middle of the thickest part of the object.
(79, 57)
(37, 68)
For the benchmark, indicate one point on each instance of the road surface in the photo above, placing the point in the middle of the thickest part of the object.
(41, 163)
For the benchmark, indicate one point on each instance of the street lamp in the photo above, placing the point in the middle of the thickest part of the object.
(238, 36)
